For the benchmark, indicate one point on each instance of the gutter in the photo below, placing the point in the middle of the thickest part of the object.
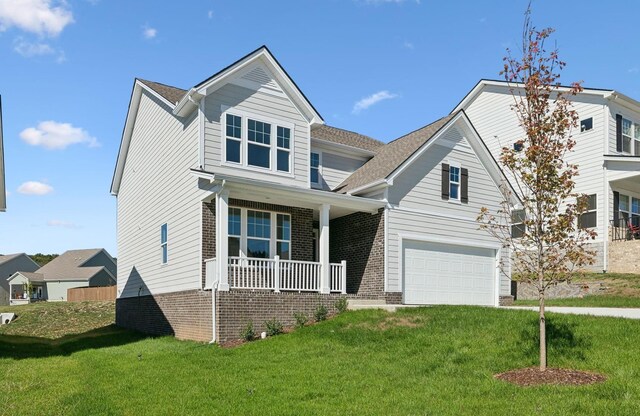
(380, 183)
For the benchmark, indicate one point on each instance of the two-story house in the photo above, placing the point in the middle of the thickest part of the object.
(607, 153)
(237, 202)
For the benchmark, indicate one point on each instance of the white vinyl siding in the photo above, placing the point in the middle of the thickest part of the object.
(336, 166)
(266, 107)
(157, 187)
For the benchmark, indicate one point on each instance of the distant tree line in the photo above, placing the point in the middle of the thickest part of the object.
(43, 259)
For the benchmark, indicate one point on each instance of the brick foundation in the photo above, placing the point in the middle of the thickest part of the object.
(505, 300)
(359, 239)
(624, 256)
(393, 298)
(237, 307)
(187, 315)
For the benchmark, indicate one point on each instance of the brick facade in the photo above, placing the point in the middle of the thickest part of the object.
(359, 239)
(187, 315)
(234, 309)
(623, 256)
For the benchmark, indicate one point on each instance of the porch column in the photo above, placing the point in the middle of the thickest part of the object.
(222, 239)
(325, 270)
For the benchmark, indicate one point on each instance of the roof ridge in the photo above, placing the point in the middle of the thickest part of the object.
(420, 128)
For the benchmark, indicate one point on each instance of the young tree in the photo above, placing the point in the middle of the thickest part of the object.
(550, 245)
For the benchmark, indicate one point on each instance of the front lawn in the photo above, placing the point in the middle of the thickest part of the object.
(621, 291)
(437, 360)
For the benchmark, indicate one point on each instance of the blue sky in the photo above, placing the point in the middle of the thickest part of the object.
(379, 67)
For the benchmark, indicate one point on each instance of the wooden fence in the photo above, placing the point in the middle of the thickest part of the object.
(80, 294)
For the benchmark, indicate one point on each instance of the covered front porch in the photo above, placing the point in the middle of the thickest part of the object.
(25, 288)
(623, 175)
(274, 238)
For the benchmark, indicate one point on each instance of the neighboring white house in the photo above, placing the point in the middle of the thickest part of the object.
(607, 152)
(237, 186)
(9, 264)
(73, 268)
(3, 194)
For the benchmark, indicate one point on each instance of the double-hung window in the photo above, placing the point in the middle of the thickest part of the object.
(635, 211)
(314, 170)
(636, 139)
(235, 230)
(623, 207)
(589, 219)
(627, 126)
(258, 144)
(164, 238)
(233, 138)
(258, 234)
(454, 183)
(283, 147)
(518, 227)
(283, 236)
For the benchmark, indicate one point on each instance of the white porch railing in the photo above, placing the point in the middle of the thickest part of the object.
(277, 275)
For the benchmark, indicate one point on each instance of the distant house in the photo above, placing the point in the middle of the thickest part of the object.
(74, 268)
(10, 264)
(3, 195)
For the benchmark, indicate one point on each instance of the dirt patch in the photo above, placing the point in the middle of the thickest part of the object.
(557, 376)
(389, 322)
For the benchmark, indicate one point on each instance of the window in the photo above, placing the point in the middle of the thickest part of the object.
(258, 234)
(314, 171)
(283, 236)
(235, 221)
(635, 211)
(586, 124)
(589, 219)
(623, 207)
(636, 139)
(250, 143)
(518, 146)
(163, 243)
(626, 135)
(234, 138)
(283, 147)
(454, 183)
(517, 223)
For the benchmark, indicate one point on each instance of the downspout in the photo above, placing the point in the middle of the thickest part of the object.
(214, 291)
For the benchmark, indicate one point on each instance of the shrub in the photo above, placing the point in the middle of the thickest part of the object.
(341, 305)
(274, 327)
(248, 333)
(301, 319)
(320, 313)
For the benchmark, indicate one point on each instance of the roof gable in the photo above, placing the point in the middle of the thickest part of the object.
(69, 266)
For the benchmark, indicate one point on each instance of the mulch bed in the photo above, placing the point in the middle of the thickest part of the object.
(556, 376)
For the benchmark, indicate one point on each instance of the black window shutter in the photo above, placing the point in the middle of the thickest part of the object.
(616, 208)
(445, 181)
(618, 133)
(464, 184)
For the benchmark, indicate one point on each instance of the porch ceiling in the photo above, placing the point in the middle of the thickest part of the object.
(631, 184)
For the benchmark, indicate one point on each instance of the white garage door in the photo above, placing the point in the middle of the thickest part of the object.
(436, 273)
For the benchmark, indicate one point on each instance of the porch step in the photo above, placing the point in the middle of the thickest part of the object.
(359, 304)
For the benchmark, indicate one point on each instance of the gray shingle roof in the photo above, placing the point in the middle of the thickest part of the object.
(169, 93)
(67, 266)
(345, 137)
(33, 277)
(8, 257)
(390, 156)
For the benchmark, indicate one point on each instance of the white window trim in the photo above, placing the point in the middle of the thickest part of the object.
(273, 236)
(244, 143)
(317, 185)
(454, 164)
(630, 136)
(164, 246)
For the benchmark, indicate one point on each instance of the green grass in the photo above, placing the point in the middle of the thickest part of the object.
(438, 360)
(622, 291)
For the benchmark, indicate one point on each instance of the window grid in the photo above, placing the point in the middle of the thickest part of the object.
(454, 182)
(283, 144)
(626, 135)
(314, 171)
(283, 236)
(233, 138)
(258, 234)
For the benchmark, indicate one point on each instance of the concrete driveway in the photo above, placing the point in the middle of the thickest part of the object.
(629, 313)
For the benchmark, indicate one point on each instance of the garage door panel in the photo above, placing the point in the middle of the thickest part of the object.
(437, 273)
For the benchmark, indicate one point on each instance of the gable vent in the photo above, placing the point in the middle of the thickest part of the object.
(260, 76)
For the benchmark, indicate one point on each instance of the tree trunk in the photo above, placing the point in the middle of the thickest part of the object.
(543, 335)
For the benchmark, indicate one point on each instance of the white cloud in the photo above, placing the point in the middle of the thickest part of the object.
(149, 32)
(43, 17)
(35, 188)
(210, 14)
(28, 49)
(367, 102)
(54, 135)
(62, 224)
(408, 45)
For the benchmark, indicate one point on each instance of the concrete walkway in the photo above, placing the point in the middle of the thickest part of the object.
(629, 313)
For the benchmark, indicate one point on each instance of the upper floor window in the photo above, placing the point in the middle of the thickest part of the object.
(454, 183)
(586, 124)
(164, 239)
(249, 142)
(518, 227)
(626, 135)
(314, 170)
